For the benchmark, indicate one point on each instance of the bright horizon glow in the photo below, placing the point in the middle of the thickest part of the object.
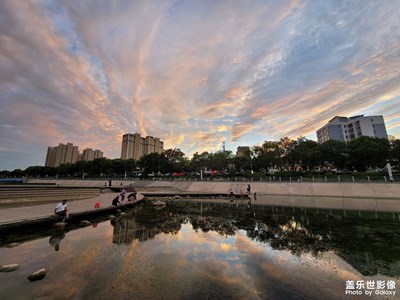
(193, 73)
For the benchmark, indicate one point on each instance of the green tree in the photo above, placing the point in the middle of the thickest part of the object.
(35, 171)
(267, 156)
(334, 153)
(121, 167)
(177, 160)
(394, 151)
(274, 154)
(365, 152)
(242, 163)
(17, 173)
(155, 163)
(306, 153)
(100, 167)
(220, 160)
(286, 146)
(80, 168)
(200, 161)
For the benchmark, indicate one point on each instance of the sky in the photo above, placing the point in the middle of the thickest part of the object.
(194, 73)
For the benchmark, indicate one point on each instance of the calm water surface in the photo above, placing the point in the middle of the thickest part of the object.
(207, 251)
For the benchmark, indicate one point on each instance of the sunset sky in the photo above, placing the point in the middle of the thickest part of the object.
(194, 73)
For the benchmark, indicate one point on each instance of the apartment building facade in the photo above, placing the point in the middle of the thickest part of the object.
(61, 154)
(134, 146)
(69, 154)
(89, 154)
(346, 129)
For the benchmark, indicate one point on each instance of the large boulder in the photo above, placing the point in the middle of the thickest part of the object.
(9, 268)
(38, 275)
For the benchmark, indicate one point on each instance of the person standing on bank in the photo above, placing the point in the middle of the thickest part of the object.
(61, 209)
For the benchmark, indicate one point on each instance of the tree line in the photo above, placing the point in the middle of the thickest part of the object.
(285, 155)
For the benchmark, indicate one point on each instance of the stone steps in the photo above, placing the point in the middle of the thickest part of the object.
(29, 202)
(18, 197)
(45, 193)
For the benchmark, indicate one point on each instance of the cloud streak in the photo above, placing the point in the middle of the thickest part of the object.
(192, 73)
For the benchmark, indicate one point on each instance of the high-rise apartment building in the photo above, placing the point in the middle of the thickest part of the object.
(51, 157)
(98, 154)
(134, 146)
(131, 146)
(61, 154)
(149, 145)
(69, 154)
(346, 129)
(158, 145)
(90, 154)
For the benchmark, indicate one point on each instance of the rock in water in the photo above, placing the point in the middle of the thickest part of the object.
(60, 224)
(9, 268)
(84, 223)
(38, 275)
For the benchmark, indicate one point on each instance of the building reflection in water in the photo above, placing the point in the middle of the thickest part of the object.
(126, 230)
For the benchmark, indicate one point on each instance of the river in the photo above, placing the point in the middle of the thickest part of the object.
(209, 251)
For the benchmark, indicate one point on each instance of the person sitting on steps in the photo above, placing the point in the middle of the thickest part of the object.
(61, 209)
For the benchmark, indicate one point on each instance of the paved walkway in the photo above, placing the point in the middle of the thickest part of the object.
(15, 214)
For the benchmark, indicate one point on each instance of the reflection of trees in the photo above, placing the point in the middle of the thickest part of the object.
(289, 236)
(206, 223)
(371, 246)
(283, 235)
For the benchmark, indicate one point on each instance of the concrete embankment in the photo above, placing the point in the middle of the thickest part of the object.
(357, 196)
(339, 189)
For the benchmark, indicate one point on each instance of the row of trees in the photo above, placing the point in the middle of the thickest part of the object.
(302, 154)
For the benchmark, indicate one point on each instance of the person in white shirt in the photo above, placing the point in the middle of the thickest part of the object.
(61, 209)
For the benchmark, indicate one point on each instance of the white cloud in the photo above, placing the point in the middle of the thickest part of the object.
(87, 72)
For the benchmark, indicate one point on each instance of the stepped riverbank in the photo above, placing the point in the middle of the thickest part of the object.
(328, 189)
(352, 196)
